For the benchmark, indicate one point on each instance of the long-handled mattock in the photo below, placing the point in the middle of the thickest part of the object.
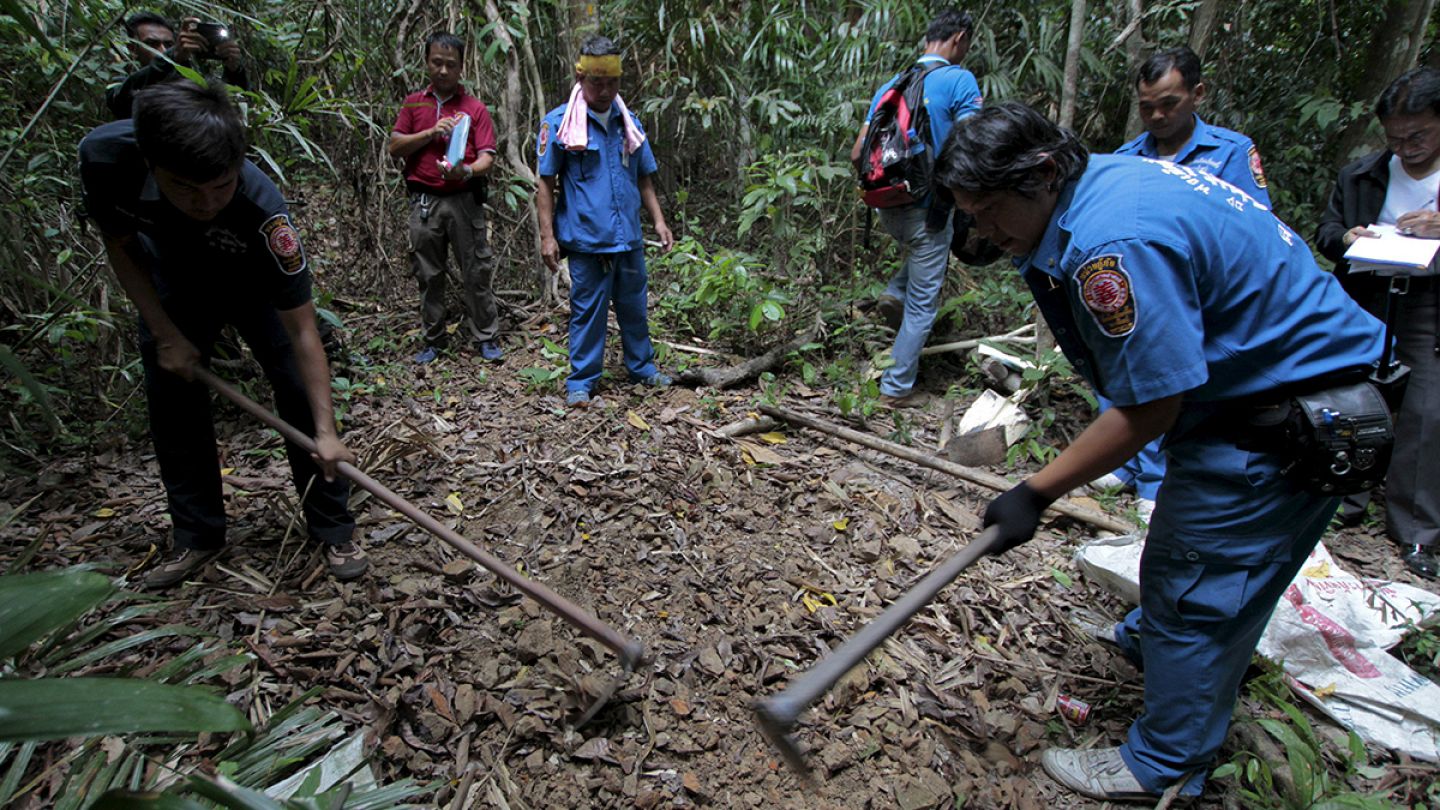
(629, 650)
(777, 714)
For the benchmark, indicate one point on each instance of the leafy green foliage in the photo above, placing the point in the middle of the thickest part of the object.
(48, 605)
(725, 294)
(1311, 783)
(540, 378)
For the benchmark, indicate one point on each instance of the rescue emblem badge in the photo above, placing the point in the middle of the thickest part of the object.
(544, 138)
(1107, 292)
(284, 244)
(1256, 170)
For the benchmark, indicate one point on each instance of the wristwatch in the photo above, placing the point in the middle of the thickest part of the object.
(469, 171)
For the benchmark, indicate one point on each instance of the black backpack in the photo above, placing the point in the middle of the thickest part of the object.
(896, 157)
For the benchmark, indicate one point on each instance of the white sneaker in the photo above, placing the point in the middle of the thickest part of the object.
(1144, 507)
(1099, 773)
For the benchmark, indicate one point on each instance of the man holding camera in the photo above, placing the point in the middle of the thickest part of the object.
(152, 36)
(448, 201)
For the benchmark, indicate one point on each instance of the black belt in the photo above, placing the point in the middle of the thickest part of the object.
(416, 188)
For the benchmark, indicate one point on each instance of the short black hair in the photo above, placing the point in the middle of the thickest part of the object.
(1001, 148)
(947, 24)
(1415, 92)
(139, 18)
(195, 132)
(599, 45)
(1161, 62)
(445, 39)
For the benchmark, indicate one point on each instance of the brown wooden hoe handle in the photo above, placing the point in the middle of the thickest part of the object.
(630, 651)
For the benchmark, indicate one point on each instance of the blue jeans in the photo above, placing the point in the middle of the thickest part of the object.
(917, 284)
(1146, 469)
(1230, 533)
(597, 279)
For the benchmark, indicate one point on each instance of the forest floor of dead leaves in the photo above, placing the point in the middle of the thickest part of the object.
(734, 574)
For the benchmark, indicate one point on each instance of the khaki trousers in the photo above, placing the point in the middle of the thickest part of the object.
(437, 224)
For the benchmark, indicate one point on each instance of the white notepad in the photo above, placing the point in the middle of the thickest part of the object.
(1392, 253)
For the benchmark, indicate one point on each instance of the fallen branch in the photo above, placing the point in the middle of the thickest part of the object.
(966, 345)
(998, 483)
(681, 347)
(754, 367)
(746, 426)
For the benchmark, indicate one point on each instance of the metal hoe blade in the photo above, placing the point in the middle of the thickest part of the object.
(776, 715)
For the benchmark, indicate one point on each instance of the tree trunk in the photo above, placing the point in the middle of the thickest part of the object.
(1134, 55)
(1202, 22)
(515, 119)
(1394, 46)
(1072, 63)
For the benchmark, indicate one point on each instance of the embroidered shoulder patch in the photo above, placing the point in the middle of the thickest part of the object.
(1106, 290)
(1256, 170)
(284, 244)
(544, 138)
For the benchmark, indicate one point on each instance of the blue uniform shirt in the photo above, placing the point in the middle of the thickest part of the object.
(598, 210)
(1160, 280)
(1225, 153)
(951, 93)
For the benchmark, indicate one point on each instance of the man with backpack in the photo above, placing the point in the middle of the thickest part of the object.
(908, 120)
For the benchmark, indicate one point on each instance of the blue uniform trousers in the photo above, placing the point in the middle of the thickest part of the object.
(597, 279)
(1228, 537)
(184, 433)
(917, 284)
(1146, 469)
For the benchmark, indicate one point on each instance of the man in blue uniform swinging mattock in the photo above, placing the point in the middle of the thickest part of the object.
(1169, 87)
(1189, 306)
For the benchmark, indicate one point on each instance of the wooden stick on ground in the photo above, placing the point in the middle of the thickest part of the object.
(734, 375)
(998, 483)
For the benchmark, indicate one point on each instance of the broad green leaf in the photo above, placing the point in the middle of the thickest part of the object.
(37, 389)
(34, 605)
(129, 800)
(55, 708)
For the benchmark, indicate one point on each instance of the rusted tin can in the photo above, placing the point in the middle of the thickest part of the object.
(1073, 709)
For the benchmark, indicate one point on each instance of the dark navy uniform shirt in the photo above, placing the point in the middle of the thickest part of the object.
(1225, 153)
(1160, 280)
(249, 253)
(598, 210)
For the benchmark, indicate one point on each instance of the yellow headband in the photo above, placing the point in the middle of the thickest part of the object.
(603, 66)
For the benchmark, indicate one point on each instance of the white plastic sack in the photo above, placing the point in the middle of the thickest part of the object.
(1331, 631)
(990, 410)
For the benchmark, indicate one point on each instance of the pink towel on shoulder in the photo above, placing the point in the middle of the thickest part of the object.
(574, 135)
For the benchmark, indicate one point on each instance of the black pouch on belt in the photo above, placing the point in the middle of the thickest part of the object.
(1339, 438)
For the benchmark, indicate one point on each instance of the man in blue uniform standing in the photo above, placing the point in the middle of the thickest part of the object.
(200, 238)
(913, 294)
(1170, 87)
(595, 157)
(1192, 308)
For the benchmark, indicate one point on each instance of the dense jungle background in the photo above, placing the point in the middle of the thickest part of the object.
(705, 549)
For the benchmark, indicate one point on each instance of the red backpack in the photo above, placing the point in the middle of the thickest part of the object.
(896, 158)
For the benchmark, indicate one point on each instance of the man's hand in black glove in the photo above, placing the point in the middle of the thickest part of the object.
(1017, 513)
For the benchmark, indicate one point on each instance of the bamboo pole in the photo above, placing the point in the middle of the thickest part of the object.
(989, 480)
